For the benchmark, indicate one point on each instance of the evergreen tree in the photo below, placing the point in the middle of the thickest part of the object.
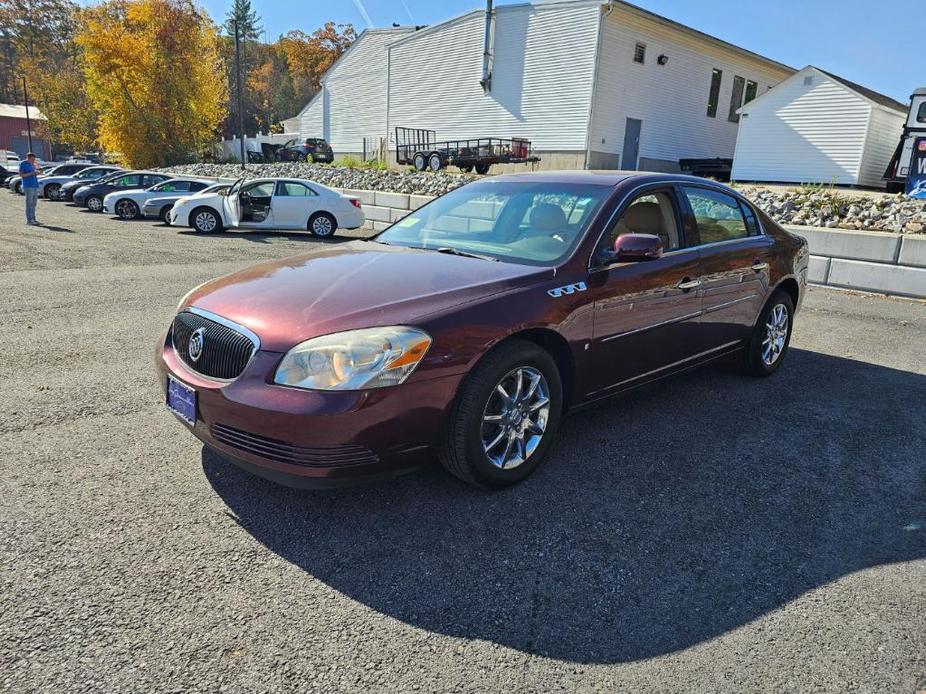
(249, 27)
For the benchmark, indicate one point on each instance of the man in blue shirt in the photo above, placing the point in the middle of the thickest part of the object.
(30, 171)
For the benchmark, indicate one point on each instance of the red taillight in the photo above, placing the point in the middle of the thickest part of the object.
(355, 202)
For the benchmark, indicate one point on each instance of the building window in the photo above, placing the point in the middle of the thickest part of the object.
(752, 89)
(736, 98)
(714, 96)
(808, 80)
(639, 53)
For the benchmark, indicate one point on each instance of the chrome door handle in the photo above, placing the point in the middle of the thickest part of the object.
(687, 284)
(759, 267)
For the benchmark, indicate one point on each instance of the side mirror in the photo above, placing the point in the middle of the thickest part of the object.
(630, 248)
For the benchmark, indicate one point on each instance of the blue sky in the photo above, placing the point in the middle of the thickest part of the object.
(870, 42)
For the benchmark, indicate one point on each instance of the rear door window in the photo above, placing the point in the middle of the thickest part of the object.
(719, 217)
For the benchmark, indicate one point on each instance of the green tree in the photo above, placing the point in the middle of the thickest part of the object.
(249, 26)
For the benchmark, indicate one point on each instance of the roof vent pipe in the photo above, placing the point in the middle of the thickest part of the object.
(488, 49)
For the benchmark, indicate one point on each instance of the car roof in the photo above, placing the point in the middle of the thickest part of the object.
(600, 178)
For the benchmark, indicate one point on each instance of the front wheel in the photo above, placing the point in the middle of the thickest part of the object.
(165, 213)
(51, 191)
(482, 169)
(95, 203)
(205, 220)
(505, 416)
(435, 162)
(322, 225)
(420, 161)
(126, 209)
(770, 338)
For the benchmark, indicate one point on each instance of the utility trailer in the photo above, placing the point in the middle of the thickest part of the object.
(420, 147)
(899, 169)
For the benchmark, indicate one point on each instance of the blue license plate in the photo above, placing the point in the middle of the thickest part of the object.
(181, 400)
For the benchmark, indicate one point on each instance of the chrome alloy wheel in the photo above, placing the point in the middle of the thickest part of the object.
(322, 226)
(126, 209)
(515, 417)
(205, 221)
(94, 204)
(776, 332)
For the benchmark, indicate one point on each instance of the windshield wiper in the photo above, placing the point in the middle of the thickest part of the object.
(465, 254)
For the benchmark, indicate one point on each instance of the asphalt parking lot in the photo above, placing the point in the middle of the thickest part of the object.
(709, 533)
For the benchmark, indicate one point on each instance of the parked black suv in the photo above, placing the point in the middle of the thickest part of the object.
(314, 149)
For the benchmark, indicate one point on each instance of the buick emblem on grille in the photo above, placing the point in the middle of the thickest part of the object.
(197, 342)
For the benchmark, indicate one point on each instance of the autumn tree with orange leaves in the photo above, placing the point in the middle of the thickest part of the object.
(154, 73)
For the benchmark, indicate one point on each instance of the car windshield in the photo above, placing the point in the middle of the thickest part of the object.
(515, 221)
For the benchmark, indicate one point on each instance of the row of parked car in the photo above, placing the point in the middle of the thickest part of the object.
(204, 205)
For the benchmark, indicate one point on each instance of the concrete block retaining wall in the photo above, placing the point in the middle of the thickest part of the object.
(866, 260)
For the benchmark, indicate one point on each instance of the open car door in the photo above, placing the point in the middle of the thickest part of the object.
(231, 204)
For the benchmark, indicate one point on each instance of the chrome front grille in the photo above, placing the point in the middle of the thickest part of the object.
(224, 348)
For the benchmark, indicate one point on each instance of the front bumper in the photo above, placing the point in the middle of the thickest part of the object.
(306, 438)
(108, 208)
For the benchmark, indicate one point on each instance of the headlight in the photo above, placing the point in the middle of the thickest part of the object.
(354, 360)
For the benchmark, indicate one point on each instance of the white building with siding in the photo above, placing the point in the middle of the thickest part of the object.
(592, 84)
(816, 127)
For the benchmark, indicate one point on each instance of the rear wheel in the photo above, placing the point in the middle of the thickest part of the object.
(505, 416)
(435, 163)
(205, 220)
(468, 168)
(126, 209)
(94, 203)
(770, 337)
(482, 169)
(322, 225)
(18, 187)
(420, 161)
(51, 191)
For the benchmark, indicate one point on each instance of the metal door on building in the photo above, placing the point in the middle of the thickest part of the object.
(631, 144)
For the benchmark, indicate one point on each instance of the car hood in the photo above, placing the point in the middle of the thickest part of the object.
(352, 285)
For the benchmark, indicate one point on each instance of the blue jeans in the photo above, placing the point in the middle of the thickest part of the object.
(32, 196)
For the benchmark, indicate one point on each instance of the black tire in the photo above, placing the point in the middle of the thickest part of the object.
(462, 452)
(435, 162)
(94, 203)
(420, 161)
(199, 220)
(162, 215)
(51, 191)
(18, 188)
(482, 169)
(468, 168)
(126, 209)
(322, 225)
(751, 359)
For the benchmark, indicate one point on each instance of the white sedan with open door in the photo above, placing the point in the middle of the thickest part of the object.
(270, 203)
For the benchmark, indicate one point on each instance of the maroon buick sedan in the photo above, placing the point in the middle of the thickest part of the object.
(466, 330)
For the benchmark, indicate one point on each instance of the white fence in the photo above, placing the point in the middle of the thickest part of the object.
(228, 149)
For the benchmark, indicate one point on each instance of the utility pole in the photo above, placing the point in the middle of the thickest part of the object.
(238, 95)
(28, 119)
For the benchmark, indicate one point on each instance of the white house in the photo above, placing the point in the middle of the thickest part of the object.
(592, 83)
(816, 127)
(351, 105)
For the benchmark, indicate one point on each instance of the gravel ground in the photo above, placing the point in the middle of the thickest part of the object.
(709, 533)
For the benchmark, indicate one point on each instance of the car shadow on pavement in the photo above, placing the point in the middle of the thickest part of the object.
(661, 520)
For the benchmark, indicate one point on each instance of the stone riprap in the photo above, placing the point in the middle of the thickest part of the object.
(836, 209)
(829, 208)
(392, 181)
